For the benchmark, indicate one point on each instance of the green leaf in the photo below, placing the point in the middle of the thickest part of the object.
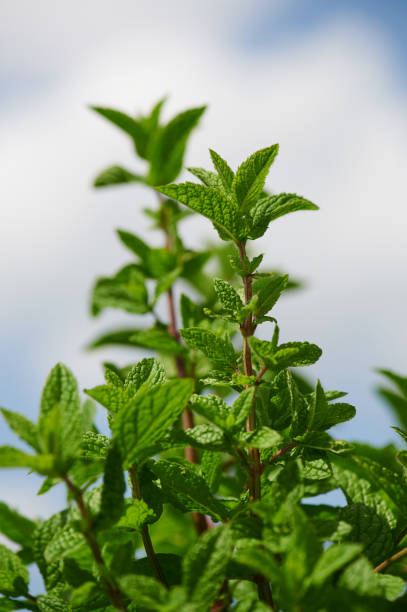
(51, 603)
(204, 567)
(145, 374)
(360, 578)
(130, 126)
(13, 574)
(364, 485)
(211, 465)
(251, 175)
(112, 398)
(228, 296)
(137, 514)
(370, 529)
(268, 289)
(64, 542)
(333, 559)
(211, 407)
(125, 290)
(270, 207)
(16, 527)
(158, 340)
(145, 590)
(240, 409)
(210, 203)
(113, 489)
(145, 419)
(116, 175)
(23, 427)
(226, 175)
(186, 489)
(263, 437)
(288, 355)
(206, 436)
(401, 433)
(210, 179)
(218, 350)
(120, 337)
(191, 313)
(168, 146)
(13, 458)
(134, 244)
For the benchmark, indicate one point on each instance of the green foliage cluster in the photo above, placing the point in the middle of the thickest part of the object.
(205, 495)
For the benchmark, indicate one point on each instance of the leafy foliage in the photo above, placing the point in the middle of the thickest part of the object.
(224, 446)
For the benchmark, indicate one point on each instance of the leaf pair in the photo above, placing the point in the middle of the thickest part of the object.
(236, 203)
(163, 147)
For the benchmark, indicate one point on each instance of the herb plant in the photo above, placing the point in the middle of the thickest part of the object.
(204, 495)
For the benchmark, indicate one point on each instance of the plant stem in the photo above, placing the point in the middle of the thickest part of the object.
(190, 453)
(247, 330)
(283, 450)
(112, 588)
(391, 560)
(145, 534)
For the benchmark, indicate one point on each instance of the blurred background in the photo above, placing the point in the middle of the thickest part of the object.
(325, 79)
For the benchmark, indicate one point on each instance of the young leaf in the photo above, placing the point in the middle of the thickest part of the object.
(270, 207)
(113, 489)
(268, 290)
(288, 355)
(168, 146)
(230, 299)
(220, 351)
(210, 203)
(130, 126)
(145, 374)
(333, 559)
(23, 427)
(145, 419)
(116, 175)
(13, 574)
(125, 290)
(16, 527)
(204, 567)
(210, 179)
(211, 465)
(186, 489)
(13, 458)
(250, 177)
(226, 175)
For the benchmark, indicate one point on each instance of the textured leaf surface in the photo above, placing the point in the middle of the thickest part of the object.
(370, 529)
(146, 591)
(269, 208)
(64, 542)
(288, 355)
(145, 374)
(187, 489)
(250, 177)
(113, 489)
(204, 567)
(13, 573)
(210, 203)
(220, 351)
(225, 174)
(228, 296)
(145, 419)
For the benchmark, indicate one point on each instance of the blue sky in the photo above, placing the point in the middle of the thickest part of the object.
(325, 79)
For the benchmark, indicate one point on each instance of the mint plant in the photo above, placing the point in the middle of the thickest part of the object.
(205, 494)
